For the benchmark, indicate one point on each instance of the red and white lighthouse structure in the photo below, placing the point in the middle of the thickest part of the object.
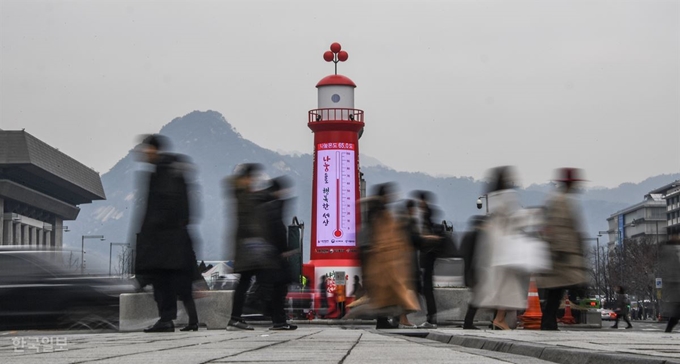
(337, 126)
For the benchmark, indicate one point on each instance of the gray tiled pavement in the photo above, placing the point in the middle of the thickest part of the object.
(652, 345)
(311, 344)
(338, 344)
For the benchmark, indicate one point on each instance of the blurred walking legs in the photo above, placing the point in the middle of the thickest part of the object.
(428, 287)
(240, 299)
(470, 317)
(499, 321)
(273, 283)
(164, 295)
(183, 284)
(553, 297)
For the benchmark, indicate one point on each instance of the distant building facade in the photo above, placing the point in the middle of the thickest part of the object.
(671, 194)
(40, 188)
(644, 219)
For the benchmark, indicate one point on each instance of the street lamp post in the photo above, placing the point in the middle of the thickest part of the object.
(599, 234)
(111, 251)
(597, 264)
(82, 250)
(622, 255)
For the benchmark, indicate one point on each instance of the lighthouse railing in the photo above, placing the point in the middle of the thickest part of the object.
(336, 114)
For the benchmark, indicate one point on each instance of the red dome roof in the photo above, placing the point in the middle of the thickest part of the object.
(336, 80)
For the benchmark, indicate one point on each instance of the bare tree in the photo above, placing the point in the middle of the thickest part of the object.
(633, 265)
(600, 275)
(73, 263)
(124, 261)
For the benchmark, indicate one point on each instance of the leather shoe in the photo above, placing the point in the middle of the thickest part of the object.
(190, 327)
(161, 326)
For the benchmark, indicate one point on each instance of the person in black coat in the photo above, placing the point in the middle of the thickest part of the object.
(621, 308)
(467, 250)
(248, 227)
(275, 281)
(428, 257)
(165, 254)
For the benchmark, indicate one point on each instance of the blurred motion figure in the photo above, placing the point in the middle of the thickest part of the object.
(388, 277)
(562, 232)
(165, 253)
(275, 281)
(497, 286)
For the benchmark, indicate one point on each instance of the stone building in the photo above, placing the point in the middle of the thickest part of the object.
(40, 188)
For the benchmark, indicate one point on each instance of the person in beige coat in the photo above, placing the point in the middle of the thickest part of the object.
(388, 271)
(566, 245)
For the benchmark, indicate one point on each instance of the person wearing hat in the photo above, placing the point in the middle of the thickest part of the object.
(562, 233)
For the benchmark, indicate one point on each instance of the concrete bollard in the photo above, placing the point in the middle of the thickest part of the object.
(138, 310)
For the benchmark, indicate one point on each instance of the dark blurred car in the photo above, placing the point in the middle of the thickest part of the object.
(38, 290)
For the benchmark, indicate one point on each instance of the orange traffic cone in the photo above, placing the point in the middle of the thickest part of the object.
(567, 318)
(531, 319)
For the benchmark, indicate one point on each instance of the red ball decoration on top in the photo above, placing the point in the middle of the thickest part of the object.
(335, 47)
(342, 56)
(328, 56)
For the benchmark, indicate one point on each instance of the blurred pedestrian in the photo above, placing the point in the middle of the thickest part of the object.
(467, 250)
(412, 226)
(388, 277)
(251, 248)
(323, 296)
(621, 308)
(499, 287)
(670, 273)
(428, 256)
(274, 281)
(357, 288)
(563, 234)
(165, 253)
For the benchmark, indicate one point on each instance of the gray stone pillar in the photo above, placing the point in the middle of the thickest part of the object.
(34, 235)
(25, 235)
(57, 233)
(17, 233)
(39, 236)
(8, 235)
(48, 241)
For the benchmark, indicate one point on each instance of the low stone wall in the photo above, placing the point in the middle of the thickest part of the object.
(138, 310)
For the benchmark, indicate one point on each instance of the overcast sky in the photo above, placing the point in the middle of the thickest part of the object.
(448, 87)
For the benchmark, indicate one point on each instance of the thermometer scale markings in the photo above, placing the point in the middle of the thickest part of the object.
(346, 193)
(338, 169)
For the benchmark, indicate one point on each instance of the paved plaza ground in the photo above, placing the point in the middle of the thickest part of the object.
(338, 344)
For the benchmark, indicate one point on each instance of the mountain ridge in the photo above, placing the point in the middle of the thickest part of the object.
(216, 147)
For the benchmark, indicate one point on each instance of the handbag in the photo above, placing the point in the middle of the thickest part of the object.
(524, 253)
